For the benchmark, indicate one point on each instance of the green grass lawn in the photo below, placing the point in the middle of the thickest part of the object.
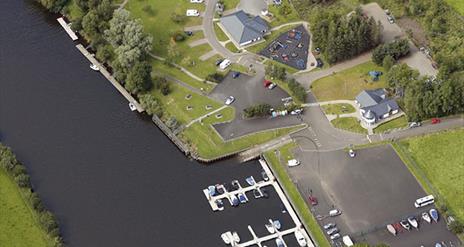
(338, 109)
(159, 68)
(18, 222)
(175, 104)
(349, 124)
(231, 47)
(220, 35)
(458, 5)
(293, 193)
(230, 4)
(400, 122)
(209, 145)
(440, 158)
(347, 84)
(280, 18)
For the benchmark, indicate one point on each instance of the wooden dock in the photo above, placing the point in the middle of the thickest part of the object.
(67, 28)
(110, 78)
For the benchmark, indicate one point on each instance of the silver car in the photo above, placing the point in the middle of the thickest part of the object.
(332, 231)
(229, 100)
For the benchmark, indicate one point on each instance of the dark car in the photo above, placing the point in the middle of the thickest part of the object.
(219, 61)
(235, 74)
(188, 33)
(319, 63)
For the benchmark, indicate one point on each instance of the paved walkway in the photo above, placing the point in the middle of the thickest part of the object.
(342, 101)
(194, 28)
(208, 55)
(181, 68)
(205, 116)
(198, 42)
(305, 23)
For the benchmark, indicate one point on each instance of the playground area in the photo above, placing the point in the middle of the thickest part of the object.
(290, 48)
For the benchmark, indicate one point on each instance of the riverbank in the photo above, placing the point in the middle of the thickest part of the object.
(23, 219)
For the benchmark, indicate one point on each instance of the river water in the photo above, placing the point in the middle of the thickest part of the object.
(110, 176)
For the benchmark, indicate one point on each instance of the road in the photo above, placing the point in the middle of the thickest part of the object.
(208, 30)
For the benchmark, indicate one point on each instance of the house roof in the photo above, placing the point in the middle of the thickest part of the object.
(382, 108)
(371, 97)
(244, 28)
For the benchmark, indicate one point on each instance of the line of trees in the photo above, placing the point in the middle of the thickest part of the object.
(18, 172)
(426, 97)
(274, 71)
(342, 37)
(54, 6)
(391, 51)
(260, 110)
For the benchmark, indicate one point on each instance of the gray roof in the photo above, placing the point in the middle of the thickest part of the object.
(382, 108)
(371, 97)
(244, 28)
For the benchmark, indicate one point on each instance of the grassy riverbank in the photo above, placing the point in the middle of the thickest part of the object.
(18, 222)
(293, 193)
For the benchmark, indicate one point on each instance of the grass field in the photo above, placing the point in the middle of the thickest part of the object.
(458, 5)
(348, 83)
(293, 193)
(282, 18)
(212, 146)
(338, 109)
(440, 158)
(231, 47)
(349, 124)
(18, 222)
(220, 35)
(400, 122)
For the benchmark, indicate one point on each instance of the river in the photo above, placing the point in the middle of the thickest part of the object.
(110, 176)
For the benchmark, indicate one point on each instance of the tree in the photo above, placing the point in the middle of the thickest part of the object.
(90, 23)
(260, 110)
(298, 91)
(388, 62)
(23, 180)
(396, 50)
(276, 71)
(456, 227)
(104, 53)
(399, 76)
(151, 104)
(53, 5)
(139, 78)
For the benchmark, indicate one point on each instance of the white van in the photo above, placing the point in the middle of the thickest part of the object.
(347, 241)
(224, 64)
(192, 12)
(334, 212)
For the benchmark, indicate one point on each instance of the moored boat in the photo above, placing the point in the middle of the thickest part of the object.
(257, 193)
(220, 204)
(426, 217)
(234, 200)
(391, 229)
(250, 180)
(277, 224)
(413, 222)
(236, 237)
(270, 228)
(434, 214)
(242, 197)
(227, 237)
(94, 67)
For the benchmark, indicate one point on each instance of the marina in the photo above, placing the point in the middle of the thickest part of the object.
(215, 194)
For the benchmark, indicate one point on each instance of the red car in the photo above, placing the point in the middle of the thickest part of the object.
(435, 120)
(312, 200)
(266, 83)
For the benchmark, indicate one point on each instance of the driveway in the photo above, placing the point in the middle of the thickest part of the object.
(253, 7)
(372, 190)
(248, 91)
(208, 30)
(390, 32)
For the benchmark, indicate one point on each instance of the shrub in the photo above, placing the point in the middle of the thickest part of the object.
(215, 77)
(456, 227)
(178, 18)
(23, 180)
(178, 36)
(396, 50)
(297, 90)
(260, 110)
(275, 71)
(151, 104)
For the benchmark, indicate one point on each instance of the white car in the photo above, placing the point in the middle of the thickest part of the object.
(192, 12)
(293, 162)
(352, 153)
(300, 238)
(229, 100)
(196, 1)
(335, 236)
(296, 112)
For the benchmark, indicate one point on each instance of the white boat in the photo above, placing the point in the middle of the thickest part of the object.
(236, 238)
(391, 229)
(227, 237)
(250, 180)
(300, 238)
(413, 222)
(270, 228)
(242, 197)
(257, 193)
(434, 214)
(426, 217)
(233, 200)
(280, 242)
(219, 204)
(132, 106)
(94, 67)
(276, 224)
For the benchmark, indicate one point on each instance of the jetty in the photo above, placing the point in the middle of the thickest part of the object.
(257, 241)
(67, 28)
(110, 78)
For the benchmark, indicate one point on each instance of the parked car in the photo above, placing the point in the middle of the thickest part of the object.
(266, 83)
(335, 236)
(334, 212)
(329, 225)
(319, 63)
(188, 33)
(229, 100)
(312, 200)
(391, 19)
(436, 120)
(192, 12)
(296, 112)
(197, 1)
(414, 124)
(271, 86)
(293, 162)
(235, 74)
(332, 231)
(352, 153)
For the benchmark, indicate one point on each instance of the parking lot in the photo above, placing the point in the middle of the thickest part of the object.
(248, 91)
(371, 190)
(290, 48)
